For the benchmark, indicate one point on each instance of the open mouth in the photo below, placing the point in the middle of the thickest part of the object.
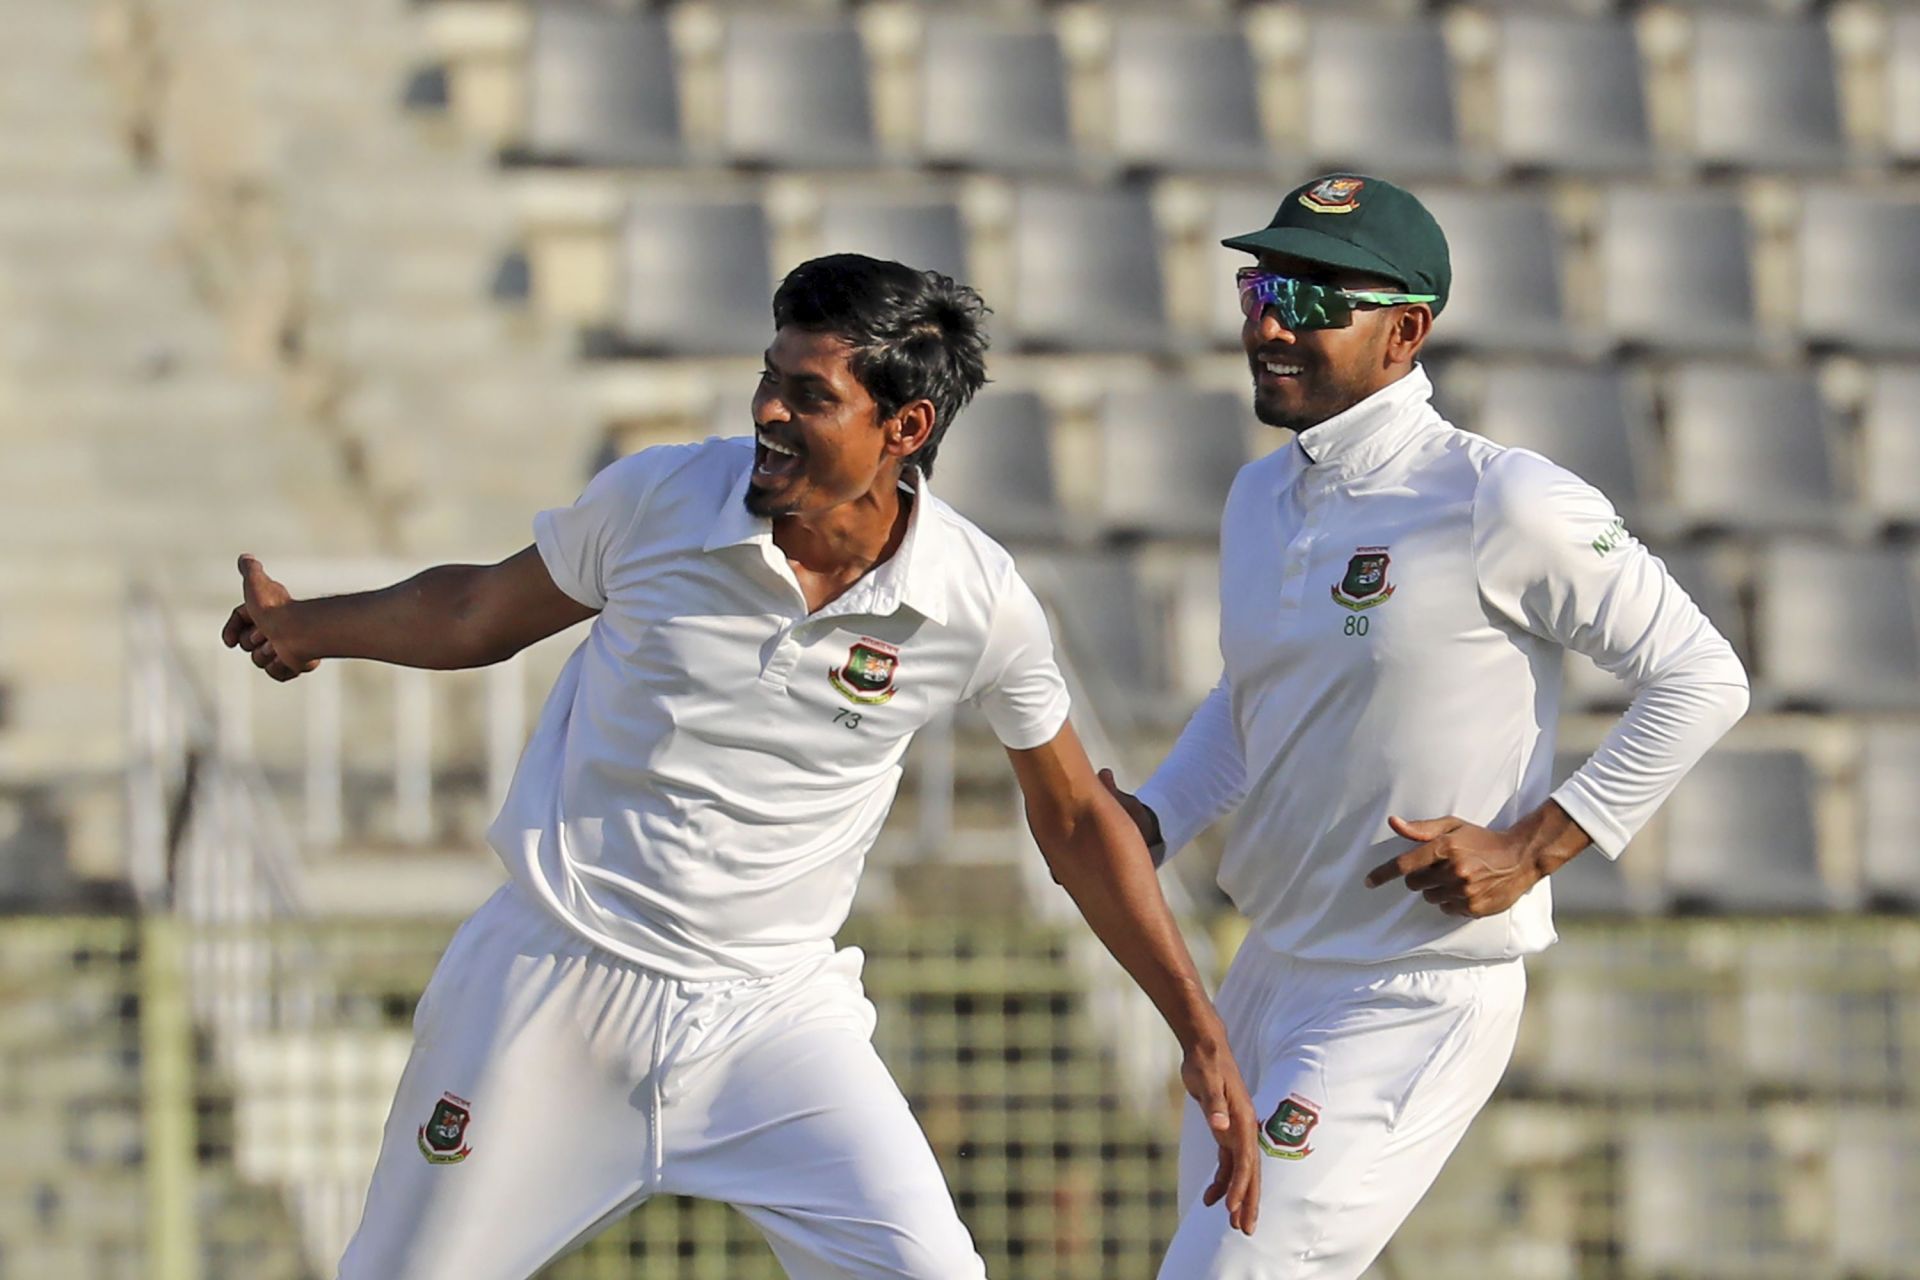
(775, 460)
(1276, 370)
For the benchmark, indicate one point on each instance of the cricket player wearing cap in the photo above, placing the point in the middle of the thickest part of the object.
(654, 1004)
(1395, 598)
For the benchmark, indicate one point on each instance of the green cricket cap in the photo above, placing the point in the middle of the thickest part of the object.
(1362, 223)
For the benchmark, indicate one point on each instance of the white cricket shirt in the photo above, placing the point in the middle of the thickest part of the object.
(1394, 598)
(714, 761)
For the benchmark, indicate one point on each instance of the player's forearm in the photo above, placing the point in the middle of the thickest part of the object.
(1104, 866)
(425, 621)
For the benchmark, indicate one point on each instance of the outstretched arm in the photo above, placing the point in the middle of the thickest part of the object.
(447, 617)
(1095, 852)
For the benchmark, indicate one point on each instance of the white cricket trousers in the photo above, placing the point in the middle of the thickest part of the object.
(554, 1086)
(1364, 1078)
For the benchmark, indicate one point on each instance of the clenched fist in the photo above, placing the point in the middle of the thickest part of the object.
(257, 625)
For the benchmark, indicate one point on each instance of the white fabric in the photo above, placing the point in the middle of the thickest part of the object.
(1392, 1062)
(591, 1084)
(703, 784)
(1435, 692)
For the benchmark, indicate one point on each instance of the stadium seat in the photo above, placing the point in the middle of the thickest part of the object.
(695, 278)
(1587, 418)
(1379, 95)
(1764, 95)
(1903, 86)
(1749, 449)
(1705, 1196)
(1890, 445)
(1184, 96)
(1874, 1184)
(1819, 1013)
(1087, 270)
(1615, 1021)
(1740, 835)
(996, 467)
(1237, 209)
(926, 235)
(1675, 269)
(1890, 814)
(601, 87)
(1569, 94)
(1836, 627)
(1860, 269)
(1103, 619)
(994, 95)
(1505, 248)
(1168, 455)
(795, 92)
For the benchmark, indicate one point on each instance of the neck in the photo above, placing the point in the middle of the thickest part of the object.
(848, 539)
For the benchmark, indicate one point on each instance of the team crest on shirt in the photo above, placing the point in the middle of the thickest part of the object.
(869, 673)
(1365, 584)
(443, 1138)
(1286, 1131)
(1333, 195)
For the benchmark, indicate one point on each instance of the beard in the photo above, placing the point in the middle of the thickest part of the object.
(1325, 395)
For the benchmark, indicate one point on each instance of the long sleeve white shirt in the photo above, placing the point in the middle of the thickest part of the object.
(1395, 598)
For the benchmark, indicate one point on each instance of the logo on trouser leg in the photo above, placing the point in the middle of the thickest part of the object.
(1285, 1132)
(443, 1136)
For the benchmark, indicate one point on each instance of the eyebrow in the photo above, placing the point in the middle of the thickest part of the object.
(812, 381)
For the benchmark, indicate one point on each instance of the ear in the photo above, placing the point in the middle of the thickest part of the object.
(1408, 333)
(909, 429)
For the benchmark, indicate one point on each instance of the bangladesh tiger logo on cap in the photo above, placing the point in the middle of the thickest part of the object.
(1333, 195)
(868, 676)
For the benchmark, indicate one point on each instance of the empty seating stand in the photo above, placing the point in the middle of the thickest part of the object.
(1750, 449)
(796, 92)
(1764, 95)
(925, 234)
(1860, 269)
(996, 467)
(1890, 810)
(993, 95)
(1741, 837)
(1587, 418)
(1836, 627)
(1890, 445)
(1088, 270)
(1379, 94)
(1505, 247)
(601, 88)
(1570, 95)
(1168, 457)
(695, 278)
(1184, 96)
(1675, 269)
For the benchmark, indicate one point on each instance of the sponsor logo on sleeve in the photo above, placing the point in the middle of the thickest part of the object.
(1611, 537)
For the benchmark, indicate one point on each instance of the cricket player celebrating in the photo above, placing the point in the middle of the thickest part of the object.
(1395, 598)
(653, 1004)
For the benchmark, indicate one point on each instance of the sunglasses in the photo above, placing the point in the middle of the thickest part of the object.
(1303, 304)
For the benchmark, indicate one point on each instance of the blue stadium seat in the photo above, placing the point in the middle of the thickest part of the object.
(601, 88)
(1505, 247)
(1675, 269)
(1168, 455)
(1860, 269)
(927, 235)
(695, 278)
(993, 95)
(1087, 270)
(1184, 96)
(1835, 627)
(1379, 95)
(1569, 94)
(795, 92)
(1750, 448)
(1741, 837)
(996, 467)
(1764, 94)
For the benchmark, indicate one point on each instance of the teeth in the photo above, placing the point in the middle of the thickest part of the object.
(774, 446)
(1284, 370)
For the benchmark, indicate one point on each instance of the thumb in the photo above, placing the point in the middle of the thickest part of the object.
(253, 578)
(1106, 780)
(1219, 1115)
(1424, 830)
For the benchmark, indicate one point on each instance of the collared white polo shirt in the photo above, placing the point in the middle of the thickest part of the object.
(1395, 596)
(714, 762)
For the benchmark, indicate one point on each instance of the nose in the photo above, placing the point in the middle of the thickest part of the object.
(1266, 328)
(769, 408)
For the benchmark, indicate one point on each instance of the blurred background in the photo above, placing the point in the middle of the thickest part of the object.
(360, 285)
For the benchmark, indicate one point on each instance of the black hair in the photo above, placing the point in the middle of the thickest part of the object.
(915, 334)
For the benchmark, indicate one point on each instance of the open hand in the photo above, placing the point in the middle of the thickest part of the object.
(255, 624)
(1213, 1079)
